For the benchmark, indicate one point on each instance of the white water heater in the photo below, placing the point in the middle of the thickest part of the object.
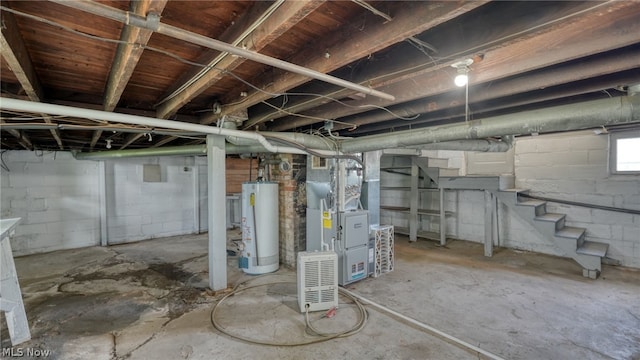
(260, 222)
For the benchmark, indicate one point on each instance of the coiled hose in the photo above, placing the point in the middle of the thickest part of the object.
(309, 328)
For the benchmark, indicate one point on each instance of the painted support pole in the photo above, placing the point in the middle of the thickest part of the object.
(102, 189)
(413, 210)
(488, 223)
(217, 200)
(443, 220)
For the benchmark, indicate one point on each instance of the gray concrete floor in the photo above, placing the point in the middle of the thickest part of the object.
(149, 300)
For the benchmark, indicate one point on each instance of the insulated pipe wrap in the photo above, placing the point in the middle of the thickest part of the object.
(578, 116)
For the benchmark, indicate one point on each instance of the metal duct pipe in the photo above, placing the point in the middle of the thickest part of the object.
(577, 116)
(468, 145)
(152, 22)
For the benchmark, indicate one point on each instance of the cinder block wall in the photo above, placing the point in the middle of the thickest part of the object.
(138, 210)
(570, 166)
(574, 166)
(57, 198)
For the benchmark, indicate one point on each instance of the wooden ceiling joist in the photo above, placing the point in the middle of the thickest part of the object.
(17, 57)
(127, 56)
(345, 47)
(278, 22)
(549, 47)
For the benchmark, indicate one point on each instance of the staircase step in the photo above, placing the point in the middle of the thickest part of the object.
(539, 207)
(593, 248)
(531, 202)
(570, 232)
(550, 217)
(558, 219)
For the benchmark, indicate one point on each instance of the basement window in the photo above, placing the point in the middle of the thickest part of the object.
(624, 152)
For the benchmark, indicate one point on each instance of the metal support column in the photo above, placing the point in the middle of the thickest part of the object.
(216, 191)
(494, 216)
(102, 189)
(371, 185)
(413, 209)
(488, 223)
(443, 220)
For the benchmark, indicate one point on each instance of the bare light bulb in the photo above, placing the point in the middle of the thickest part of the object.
(109, 143)
(461, 80)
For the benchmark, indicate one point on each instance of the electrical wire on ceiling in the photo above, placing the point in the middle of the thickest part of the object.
(219, 58)
(193, 63)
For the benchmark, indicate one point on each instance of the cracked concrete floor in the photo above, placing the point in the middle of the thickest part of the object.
(149, 300)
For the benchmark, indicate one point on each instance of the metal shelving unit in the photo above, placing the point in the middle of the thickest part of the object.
(420, 184)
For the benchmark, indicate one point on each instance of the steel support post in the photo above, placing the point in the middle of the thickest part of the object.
(217, 201)
(415, 196)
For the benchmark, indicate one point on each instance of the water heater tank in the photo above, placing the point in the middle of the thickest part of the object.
(260, 223)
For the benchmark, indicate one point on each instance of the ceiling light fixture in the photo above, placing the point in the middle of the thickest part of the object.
(109, 143)
(462, 79)
(462, 66)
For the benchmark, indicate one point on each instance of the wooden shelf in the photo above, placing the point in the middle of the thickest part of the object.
(407, 210)
(421, 233)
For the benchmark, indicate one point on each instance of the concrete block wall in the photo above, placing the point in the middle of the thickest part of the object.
(570, 166)
(57, 198)
(574, 166)
(138, 210)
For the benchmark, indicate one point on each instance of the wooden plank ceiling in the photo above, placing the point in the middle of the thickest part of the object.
(526, 55)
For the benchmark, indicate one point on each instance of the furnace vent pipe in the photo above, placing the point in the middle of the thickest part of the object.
(585, 115)
(468, 145)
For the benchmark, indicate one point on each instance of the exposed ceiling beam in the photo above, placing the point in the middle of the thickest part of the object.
(127, 56)
(570, 72)
(412, 62)
(550, 46)
(17, 57)
(345, 47)
(557, 94)
(279, 21)
(154, 24)
(266, 29)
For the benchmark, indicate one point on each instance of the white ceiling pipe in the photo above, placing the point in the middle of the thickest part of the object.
(191, 150)
(578, 116)
(152, 22)
(187, 150)
(51, 109)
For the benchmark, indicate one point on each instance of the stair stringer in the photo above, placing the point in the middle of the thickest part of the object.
(552, 226)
